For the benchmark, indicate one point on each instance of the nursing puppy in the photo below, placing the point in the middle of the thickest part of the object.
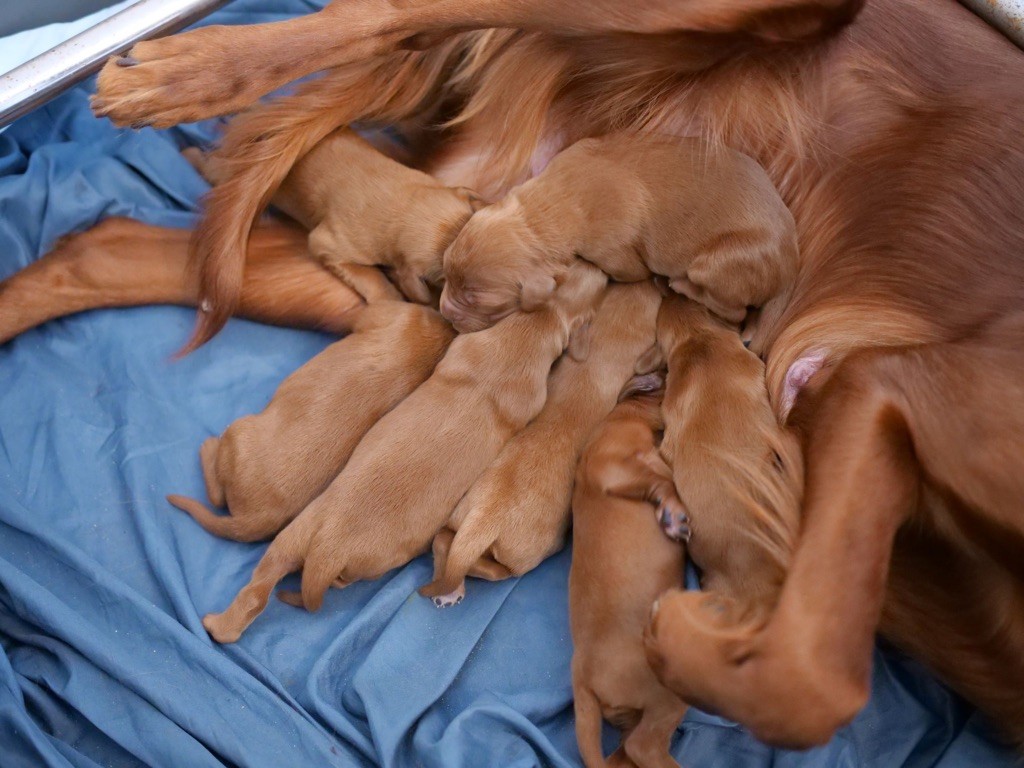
(708, 219)
(621, 562)
(266, 468)
(410, 470)
(346, 193)
(738, 473)
(517, 512)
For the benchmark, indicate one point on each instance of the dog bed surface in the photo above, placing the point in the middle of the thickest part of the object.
(104, 660)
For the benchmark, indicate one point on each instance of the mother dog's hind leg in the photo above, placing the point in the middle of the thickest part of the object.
(125, 263)
(889, 433)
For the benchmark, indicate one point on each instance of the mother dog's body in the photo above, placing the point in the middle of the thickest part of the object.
(898, 144)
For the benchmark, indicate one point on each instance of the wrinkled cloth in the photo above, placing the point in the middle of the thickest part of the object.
(102, 584)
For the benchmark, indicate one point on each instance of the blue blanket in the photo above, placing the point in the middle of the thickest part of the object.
(102, 585)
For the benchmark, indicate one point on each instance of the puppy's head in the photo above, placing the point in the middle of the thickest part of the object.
(435, 219)
(494, 267)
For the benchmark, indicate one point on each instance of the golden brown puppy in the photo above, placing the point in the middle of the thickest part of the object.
(347, 193)
(737, 470)
(266, 468)
(410, 470)
(880, 141)
(517, 512)
(709, 220)
(621, 562)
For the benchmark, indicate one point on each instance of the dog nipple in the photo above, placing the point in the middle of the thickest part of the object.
(798, 375)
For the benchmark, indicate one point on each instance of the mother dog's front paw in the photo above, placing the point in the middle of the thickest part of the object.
(178, 79)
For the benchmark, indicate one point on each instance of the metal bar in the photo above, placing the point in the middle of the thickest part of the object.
(37, 81)
(1005, 15)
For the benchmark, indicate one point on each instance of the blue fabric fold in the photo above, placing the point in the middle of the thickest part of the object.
(102, 584)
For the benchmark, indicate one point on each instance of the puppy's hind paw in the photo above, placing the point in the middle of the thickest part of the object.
(451, 599)
(676, 525)
(219, 630)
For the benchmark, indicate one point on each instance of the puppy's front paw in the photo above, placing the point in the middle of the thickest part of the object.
(674, 521)
(451, 599)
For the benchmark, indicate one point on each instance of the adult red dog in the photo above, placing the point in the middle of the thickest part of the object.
(894, 129)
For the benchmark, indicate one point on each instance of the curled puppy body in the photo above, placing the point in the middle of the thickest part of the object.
(738, 472)
(410, 470)
(517, 512)
(363, 209)
(621, 562)
(266, 468)
(708, 219)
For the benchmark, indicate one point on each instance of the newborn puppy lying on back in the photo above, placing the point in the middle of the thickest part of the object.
(363, 209)
(517, 512)
(266, 468)
(410, 470)
(621, 562)
(709, 220)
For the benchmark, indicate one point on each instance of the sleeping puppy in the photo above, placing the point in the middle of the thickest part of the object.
(621, 562)
(266, 468)
(737, 471)
(410, 470)
(708, 220)
(347, 194)
(517, 512)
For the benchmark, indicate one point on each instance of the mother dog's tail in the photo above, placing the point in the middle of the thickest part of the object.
(261, 146)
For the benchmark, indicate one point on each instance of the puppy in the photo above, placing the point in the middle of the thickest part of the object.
(410, 470)
(709, 220)
(621, 562)
(738, 472)
(346, 193)
(517, 512)
(267, 468)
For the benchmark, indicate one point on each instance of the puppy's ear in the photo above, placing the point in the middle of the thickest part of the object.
(413, 286)
(579, 342)
(536, 291)
(471, 198)
(650, 361)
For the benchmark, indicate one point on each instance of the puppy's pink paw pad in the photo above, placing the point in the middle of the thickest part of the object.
(676, 525)
(451, 599)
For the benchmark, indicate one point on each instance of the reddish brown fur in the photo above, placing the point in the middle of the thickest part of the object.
(621, 562)
(517, 512)
(706, 218)
(266, 468)
(362, 210)
(122, 263)
(737, 471)
(410, 470)
(896, 143)
(264, 145)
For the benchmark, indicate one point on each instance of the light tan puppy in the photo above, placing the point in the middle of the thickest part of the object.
(621, 562)
(410, 470)
(346, 193)
(517, 512)
(709, 220)
(266, 468)
(738, 472)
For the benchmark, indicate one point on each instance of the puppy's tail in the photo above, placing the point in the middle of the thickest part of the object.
(467, 548)
(225, 526)
(588, 724)
(261, 147)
